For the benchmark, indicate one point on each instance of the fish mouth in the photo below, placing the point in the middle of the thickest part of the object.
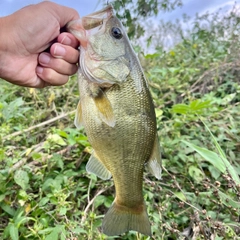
(98, 18)
(89, 24)
(82, 29)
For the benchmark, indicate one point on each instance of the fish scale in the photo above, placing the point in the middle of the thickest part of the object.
(117, 112)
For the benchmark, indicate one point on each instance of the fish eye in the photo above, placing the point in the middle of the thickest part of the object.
(116, 33)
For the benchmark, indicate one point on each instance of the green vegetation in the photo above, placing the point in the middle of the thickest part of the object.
(45, 192)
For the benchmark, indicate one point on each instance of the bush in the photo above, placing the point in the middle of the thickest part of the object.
(45, 192)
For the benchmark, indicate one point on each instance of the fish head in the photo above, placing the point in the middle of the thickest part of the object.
(104, 47)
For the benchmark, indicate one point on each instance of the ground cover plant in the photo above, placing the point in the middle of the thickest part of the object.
(45, 192)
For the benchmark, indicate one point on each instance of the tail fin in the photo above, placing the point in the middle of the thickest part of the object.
(120, 219)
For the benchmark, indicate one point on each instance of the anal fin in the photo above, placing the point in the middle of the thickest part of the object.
(155, 162)
(95, 166)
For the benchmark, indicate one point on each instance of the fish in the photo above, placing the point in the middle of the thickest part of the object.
(117, 112)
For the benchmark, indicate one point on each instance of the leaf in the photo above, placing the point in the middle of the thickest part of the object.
(228, 201)
(7, 209)
(78, 230)
(56, 231)
(43, 201)
(13, 231)
(158, 112)
(53, 235)
(21, 178)
(195, 107)
(56, 139)
(180, 108)
(227, 99)
(214, 172)
(222, 164)
(62, 211)
(196, 173)
(180, 195)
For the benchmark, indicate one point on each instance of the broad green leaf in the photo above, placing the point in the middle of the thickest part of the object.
(13, 232)
(43, 201)
(7, 209)
(56, 139)
(180, 108)
(228, 201)
(222, 164)
(196, 173)
(158, 112)
(227, 99)
(195, 107)
(214, 172)
(56, 232)
(78, 230)
(2, 196)
(21, 178)
(208, 155)
(99, 200)
(180, 195)
(53, 235)
(62, 211)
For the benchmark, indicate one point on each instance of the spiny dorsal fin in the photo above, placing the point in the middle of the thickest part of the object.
(155, 163)
(78, 121)
(95, 166)
(105, 109)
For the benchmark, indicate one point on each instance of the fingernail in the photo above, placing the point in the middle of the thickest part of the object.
(44, 58)
(59, 51)
(66, 40)
(39, 70)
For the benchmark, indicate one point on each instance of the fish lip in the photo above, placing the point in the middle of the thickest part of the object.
(98, 14)
(81, 28)
(92, 20)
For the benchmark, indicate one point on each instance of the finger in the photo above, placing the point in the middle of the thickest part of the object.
(51, 77)
(68, 39)
(65, 52)
(59, 65)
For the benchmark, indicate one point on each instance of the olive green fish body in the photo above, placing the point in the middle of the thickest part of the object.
(126, 147)
(117, 112)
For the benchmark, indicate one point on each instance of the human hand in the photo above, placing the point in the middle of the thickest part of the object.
(26, 34)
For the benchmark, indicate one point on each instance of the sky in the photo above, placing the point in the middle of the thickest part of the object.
(84, 7)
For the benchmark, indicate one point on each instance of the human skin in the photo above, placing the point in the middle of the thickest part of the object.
(33, 51)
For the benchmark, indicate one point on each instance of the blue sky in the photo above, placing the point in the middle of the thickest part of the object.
(190, 7)
(82, 6)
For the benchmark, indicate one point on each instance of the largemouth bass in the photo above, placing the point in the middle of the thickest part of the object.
(117, 112)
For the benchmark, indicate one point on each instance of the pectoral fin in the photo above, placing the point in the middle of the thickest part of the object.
(105, 109)
(154, 163)
(95, 166)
